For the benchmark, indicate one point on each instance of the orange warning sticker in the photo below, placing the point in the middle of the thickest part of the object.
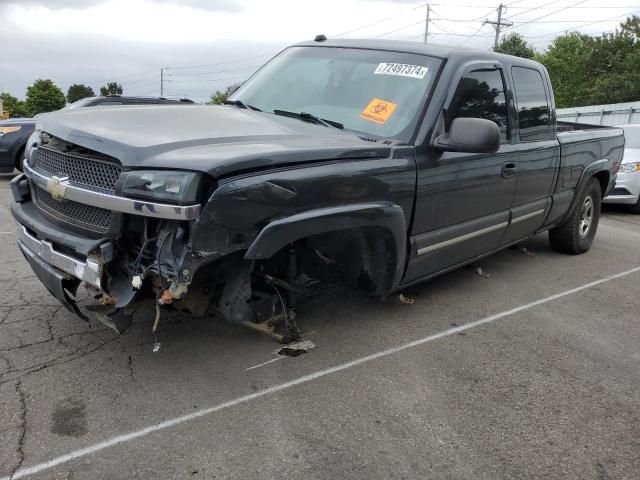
(378, 111)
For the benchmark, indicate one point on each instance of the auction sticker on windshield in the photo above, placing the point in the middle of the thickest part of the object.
(378, 111)
(401, 69)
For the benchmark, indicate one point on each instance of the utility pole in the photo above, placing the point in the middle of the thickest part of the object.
(426, 25)
(162, 82)
(497, 25)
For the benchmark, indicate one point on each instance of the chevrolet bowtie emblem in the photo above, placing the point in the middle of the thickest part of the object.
(56, 186)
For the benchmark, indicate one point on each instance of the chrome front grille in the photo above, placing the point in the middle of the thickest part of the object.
(85, 172)
(85, 216)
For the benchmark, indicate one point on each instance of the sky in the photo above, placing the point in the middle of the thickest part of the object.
(206, 45)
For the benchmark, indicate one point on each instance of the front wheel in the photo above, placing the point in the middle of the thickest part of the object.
(578, 231)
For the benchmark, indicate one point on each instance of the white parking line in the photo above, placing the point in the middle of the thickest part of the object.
(127, 437)
(7, 233)
(264, 363)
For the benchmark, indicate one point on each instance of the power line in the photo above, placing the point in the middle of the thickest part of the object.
(532, 9)
(463, 21)
(470, 37)
(593, 23)
(381, 20)
(183, 67)
(553, 13)
(255, 67)
(141, 80)
(398, 29)
(206, 80)
(446, 31)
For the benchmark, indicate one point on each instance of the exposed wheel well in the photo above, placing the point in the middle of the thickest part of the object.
(362, 258)
(19, 157)
(603, 178)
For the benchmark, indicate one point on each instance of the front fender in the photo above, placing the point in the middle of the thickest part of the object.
(282, 231)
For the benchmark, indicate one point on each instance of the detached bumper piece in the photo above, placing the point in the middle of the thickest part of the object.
(89, 271)
(60, 284)
(64, 260)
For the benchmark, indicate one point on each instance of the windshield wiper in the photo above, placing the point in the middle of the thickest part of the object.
(241, 104)
(307, 117)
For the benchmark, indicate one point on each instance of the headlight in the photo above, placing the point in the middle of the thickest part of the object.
(4, 130)
(164, 186)
(630, 167)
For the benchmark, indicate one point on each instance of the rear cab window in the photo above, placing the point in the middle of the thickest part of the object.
(534, 115)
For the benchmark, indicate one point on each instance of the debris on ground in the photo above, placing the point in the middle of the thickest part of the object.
(481, 272)
(522, 250)
(525, 251)
(406, 300)
(298, 348)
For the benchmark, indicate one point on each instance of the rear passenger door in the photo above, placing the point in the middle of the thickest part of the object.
(538, 152)
(463, 199)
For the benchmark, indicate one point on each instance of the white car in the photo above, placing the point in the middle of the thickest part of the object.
(627, 188)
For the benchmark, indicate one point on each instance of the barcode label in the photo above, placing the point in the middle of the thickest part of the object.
(402, 70)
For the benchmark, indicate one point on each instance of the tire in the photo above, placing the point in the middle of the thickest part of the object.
(576, 234)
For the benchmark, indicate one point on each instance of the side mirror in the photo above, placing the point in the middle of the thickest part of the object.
(470, 135)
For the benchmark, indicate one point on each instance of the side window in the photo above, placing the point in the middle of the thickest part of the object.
(534, 119)
(480, 94)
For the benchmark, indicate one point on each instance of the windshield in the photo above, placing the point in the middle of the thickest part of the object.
(631, 136)
(369, 91)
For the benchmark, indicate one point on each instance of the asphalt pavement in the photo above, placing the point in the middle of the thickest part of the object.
(529, 371)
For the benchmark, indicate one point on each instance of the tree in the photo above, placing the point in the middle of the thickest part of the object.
(78, 92)
(588, 70)
(631, 26)
(219, 97)
(15, 107)
(566, 60)
(44, 96)
(111, 88)
(515, 44)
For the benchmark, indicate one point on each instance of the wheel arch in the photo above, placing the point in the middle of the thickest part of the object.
(17, 162)
(601, 171)
(362, 219)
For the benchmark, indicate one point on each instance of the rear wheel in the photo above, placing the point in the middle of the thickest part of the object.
(576, 234)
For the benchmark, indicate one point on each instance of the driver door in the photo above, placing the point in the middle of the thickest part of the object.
(463, 199)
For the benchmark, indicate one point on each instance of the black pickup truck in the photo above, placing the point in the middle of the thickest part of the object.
(372, 164)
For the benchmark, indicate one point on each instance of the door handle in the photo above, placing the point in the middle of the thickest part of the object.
(509, 169)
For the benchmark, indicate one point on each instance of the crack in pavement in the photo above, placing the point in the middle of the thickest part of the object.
(53, 339)
(22, 426)
(55, 362)
(125, 351)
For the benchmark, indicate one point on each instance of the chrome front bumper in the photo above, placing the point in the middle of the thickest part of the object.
(89, 271)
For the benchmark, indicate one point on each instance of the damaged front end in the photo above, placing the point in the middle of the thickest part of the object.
(85, 221)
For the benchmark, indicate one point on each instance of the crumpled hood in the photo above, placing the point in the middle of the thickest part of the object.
(218, 140)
